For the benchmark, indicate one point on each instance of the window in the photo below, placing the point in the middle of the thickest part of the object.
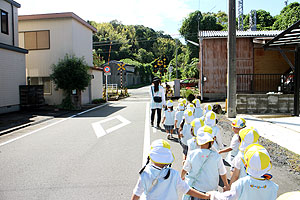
(41, 81)
(4, 22)
(36, 40)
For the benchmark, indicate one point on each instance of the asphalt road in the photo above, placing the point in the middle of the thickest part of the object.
(94, 155)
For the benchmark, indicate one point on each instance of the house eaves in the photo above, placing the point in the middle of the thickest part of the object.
(239, 34)
(57, 16)
(14, 3)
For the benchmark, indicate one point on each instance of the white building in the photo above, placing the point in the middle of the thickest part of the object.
(12, 58)
(49, 37)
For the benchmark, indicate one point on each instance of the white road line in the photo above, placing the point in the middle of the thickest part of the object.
(124, 123)
(146, 134)
(22, 136)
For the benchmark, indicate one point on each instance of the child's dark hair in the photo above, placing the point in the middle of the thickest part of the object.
(166, 108)
(148, 160)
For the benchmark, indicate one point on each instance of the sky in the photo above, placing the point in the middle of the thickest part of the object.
(165, 15)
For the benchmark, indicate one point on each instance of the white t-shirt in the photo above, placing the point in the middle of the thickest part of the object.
(166, 189)
(249, 188)
(204, 167)
(170, 117)
(160, 93)
(234, 144)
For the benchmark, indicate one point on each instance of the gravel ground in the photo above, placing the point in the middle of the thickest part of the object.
(286, 164)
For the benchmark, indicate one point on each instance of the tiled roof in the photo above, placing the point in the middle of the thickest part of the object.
(222, 34)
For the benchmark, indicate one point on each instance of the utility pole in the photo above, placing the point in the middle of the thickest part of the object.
(231, 60)
(176, 58)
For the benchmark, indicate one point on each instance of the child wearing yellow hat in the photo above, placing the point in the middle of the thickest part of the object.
(257, 185)
(158, 180)
(211, 120)
(169, 119)
(247, 137)
(237, 124)
(204, 165)
(185, 131)
(198, 110)
(196, 124)
(178, 117)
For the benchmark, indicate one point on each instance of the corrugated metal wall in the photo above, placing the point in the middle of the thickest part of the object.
(215, 63)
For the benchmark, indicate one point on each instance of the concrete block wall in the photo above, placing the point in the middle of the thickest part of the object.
(265, 103)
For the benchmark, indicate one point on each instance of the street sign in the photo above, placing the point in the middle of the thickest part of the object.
(106, 74)
(106, 69)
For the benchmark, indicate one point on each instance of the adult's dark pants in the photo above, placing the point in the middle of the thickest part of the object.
(158, 115)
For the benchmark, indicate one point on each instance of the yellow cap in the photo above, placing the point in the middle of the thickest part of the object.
(197, 102)
(204, 135)
(160, 152)
(239, 123)
(248, 136)
(257, 160)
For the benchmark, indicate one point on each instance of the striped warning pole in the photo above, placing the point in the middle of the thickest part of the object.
(121, 71)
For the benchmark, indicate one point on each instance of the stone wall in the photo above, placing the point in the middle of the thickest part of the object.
(265, 103)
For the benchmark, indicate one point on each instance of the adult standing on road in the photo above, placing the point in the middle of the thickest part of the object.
(157, 100)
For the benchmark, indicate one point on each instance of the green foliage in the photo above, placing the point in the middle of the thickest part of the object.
(68, 74)
(191, 70)
(287, 17)
(264, 20)
(144, 70)
(187, 93)
(189, 28)
(71, 73)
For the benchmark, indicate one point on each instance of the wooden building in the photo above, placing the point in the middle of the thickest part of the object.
(260, 68)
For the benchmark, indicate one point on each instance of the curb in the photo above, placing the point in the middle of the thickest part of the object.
(10, 130)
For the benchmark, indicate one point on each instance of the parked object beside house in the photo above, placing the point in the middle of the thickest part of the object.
(49, 37)
(12, 58)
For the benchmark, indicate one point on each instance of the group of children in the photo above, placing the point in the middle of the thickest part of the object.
(203, 166)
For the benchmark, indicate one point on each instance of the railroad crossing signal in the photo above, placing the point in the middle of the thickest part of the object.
(160, 65)
(121, 67)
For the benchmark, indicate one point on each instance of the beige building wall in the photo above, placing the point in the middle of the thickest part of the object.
(39, 62)
(12, 74)
(12, 37)
(82, 42)
(97, 85)
(67, 36)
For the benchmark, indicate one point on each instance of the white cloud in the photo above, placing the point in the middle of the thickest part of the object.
(163, 15)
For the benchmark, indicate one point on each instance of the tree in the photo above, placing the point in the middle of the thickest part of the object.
(189, 28)
(264, 20)
(287, 17)
(68, 74)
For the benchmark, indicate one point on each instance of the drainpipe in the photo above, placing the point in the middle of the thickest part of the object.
(201, 54)
(13, 24)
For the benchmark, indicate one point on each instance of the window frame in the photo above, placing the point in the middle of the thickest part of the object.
(36, 48)
(2, 31)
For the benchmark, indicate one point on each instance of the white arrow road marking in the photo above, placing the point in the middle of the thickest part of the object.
(99, 130)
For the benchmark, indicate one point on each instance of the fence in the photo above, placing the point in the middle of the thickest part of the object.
(111, 88)
(264, 83)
